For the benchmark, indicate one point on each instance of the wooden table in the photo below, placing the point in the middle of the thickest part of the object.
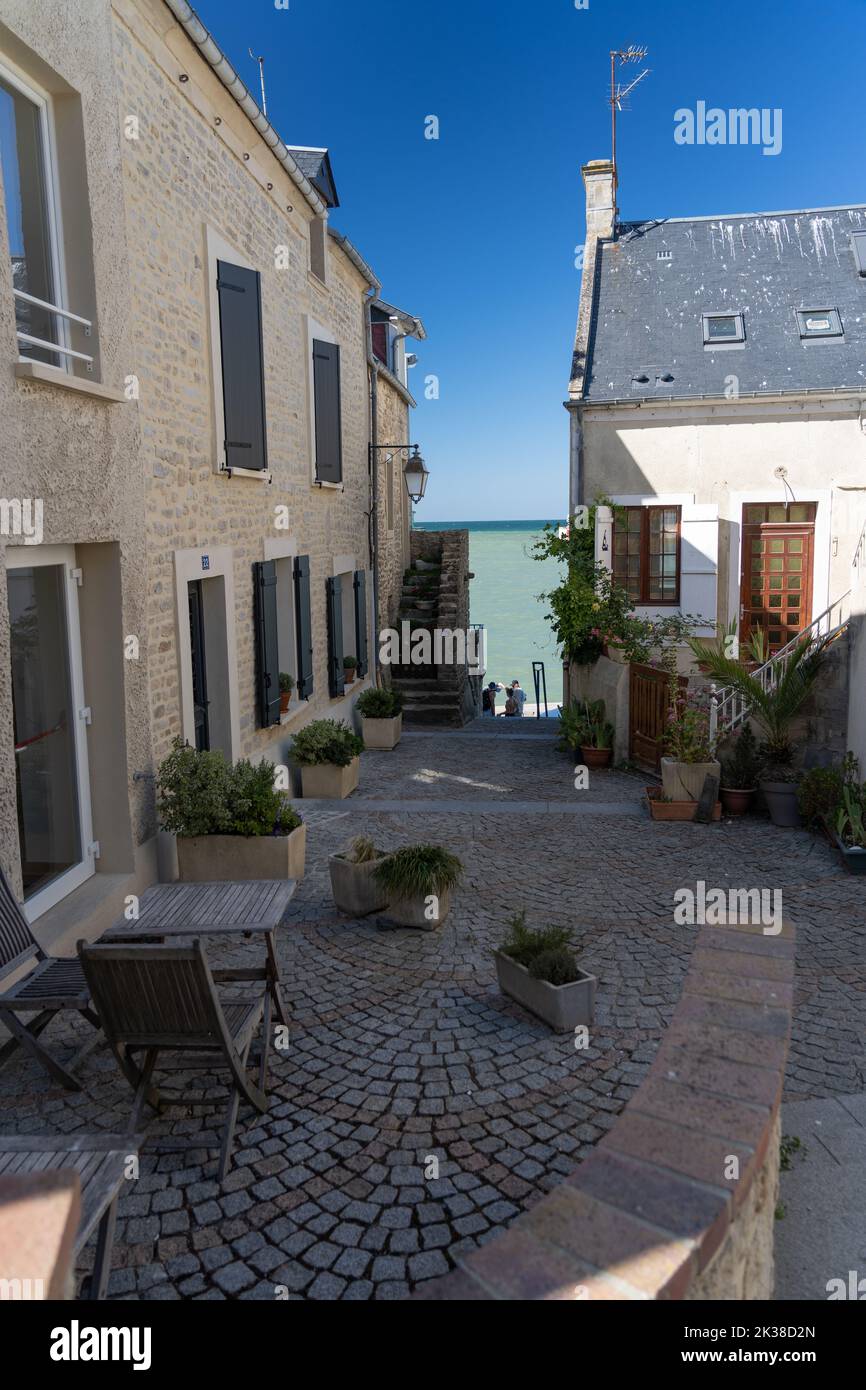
(100, 1160)
(215, 909)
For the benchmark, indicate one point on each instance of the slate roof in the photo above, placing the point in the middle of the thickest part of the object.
(647, 311)
(316, 166)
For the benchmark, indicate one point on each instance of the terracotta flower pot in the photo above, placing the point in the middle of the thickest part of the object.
(596, 757)
(675, 810)
(736, 801)
(285, 701)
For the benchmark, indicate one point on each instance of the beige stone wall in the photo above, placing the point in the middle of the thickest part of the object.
(75, 450)
(393, 427)
(185, 176)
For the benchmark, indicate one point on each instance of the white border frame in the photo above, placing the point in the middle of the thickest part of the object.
(188, 566)
(821, 553)
(218, 249)
(316, 330)
(42, 101)
(21, 557)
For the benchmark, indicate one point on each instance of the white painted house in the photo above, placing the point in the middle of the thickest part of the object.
(718, 392)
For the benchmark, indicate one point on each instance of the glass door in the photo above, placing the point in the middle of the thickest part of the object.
(52, 788)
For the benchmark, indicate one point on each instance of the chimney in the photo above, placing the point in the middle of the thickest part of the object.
(598, 181)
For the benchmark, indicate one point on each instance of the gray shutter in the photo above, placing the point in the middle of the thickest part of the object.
(326, 388)
(267, 654)
(303, 626)
(336, 679)
(360, 587)
(239, 293)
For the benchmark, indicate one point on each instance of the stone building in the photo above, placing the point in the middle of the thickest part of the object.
(716, 396)
(192, 363)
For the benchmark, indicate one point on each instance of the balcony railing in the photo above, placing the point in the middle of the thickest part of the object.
(44, 343)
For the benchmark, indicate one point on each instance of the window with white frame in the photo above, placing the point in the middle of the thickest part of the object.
(27, 155)
(723, 330)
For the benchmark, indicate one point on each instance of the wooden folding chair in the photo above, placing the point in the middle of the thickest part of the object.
(155, 999)
(52, 986)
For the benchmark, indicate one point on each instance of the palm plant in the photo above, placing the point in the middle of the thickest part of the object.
(773, 706)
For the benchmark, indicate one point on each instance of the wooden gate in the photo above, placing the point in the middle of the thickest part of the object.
(648, 699)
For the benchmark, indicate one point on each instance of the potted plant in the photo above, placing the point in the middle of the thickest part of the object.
(356, 889)
(688, 759)
(350, 666)
(740, 773)
(820, 793)
(418, 881)
(287, 685)
(596, 736)
(380, 709)
(229, 819)
(851, 829)
(774, 695)
(538, 970)
(329, 755)
(662, 807)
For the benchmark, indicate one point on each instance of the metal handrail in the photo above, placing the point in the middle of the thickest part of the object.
(729, 707)
(44, 343)
(54, 308)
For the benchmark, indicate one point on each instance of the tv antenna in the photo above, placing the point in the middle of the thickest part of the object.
(261, 62)
(619, 93)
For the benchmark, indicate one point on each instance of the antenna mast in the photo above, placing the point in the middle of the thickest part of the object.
(261, 62)
(618, 94)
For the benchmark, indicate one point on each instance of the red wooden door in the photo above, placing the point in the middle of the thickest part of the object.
(776, 574)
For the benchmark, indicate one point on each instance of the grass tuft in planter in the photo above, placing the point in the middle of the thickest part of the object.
(538, 970)
(356, 889)
(419, 880)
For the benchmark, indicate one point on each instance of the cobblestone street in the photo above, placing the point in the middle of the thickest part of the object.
(403, 1049)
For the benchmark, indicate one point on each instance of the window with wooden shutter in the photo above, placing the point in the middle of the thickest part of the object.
(326, 396)
(336, 680)
(267, 648)
(646, 553)
(360, 587)
(303, 626)
(239, 292)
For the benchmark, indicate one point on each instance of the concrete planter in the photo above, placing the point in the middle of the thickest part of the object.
(852, 856)
(561, 1007)
(329, 781)
(781, 802)
(685, 781)
(381, 733)
(221, 858)
(355, 887)
(410, 912)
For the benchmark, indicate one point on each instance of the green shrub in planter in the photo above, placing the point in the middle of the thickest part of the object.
(379, 703)
(821, 790)
(419, 871)
(557, 966)
(524, 944)
(326, 741)
(203, 794)
(350, 665)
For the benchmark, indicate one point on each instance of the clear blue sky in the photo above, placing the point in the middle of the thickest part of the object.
(476, 232)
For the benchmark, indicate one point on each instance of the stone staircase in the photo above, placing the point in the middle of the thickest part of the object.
(432, 695)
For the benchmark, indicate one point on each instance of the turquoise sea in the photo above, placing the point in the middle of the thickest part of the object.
(503, 596)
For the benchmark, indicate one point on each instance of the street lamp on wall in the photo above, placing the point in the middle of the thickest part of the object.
(416, 474)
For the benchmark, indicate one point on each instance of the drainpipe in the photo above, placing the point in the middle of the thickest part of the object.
(373, 527)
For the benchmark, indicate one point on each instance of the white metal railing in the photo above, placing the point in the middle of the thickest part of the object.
(729, 708)
(61, 313)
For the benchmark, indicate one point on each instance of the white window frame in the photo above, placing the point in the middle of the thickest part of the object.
(317, 332)
(714, 344)
(25, 557)
(42, 101)
(218, 249)
(834, 334)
